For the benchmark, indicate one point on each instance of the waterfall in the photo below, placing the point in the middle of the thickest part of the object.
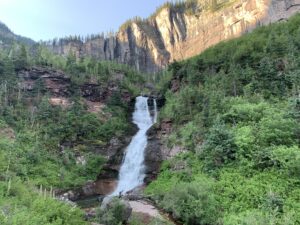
(132, 170)
(155, 111)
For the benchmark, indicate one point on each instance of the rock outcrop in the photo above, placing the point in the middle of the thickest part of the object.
(174, 34)
(61, 88)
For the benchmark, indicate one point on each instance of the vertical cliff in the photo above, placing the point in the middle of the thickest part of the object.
(176, 33)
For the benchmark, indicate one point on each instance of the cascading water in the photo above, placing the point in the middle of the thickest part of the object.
(155, 111)
(132, 170)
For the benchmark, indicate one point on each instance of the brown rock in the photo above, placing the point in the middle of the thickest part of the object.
(105, 186)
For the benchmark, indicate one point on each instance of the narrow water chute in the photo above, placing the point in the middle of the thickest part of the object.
(132, 171)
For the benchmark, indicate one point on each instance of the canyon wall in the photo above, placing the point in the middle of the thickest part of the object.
(149, 45)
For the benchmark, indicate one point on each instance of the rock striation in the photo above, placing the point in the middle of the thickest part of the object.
(173, 34)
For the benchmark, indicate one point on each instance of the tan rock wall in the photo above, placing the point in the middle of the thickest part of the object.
(150, 45)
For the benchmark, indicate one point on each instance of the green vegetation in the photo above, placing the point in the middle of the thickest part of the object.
(41, 144)
(193, 7)
(23, 204)
(237, 115)
(115, 214)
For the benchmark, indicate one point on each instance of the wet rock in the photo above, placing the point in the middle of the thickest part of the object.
(160, 101)
(153, 157)
(114, 152)
(105, 186)
(135, 194)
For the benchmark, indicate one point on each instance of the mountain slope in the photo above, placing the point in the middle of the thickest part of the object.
(232, 119)
(178, 31)
(7, 37)
(62, 123)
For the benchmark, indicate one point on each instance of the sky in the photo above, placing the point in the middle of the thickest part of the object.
(47, 19)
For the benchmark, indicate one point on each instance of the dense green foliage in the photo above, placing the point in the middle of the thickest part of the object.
(237, 116)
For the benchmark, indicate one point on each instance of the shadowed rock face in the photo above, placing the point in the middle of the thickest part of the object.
(175, 35)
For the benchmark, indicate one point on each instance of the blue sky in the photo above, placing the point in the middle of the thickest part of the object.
(47, 19)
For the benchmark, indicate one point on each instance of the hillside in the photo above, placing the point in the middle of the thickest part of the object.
(231, 119)
(62, 124)
(7, 38)
(177, 31)
(225, 149)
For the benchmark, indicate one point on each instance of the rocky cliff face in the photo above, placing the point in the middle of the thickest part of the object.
(173, 34)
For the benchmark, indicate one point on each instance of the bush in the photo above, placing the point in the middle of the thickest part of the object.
(115, 212)
(193, 203)
(219, 147)
(288, 158)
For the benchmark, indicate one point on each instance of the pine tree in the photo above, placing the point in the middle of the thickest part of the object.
(20, 58)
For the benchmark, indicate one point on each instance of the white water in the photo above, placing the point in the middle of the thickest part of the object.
(132, 170)
(155, 111)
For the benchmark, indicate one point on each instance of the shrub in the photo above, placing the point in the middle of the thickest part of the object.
(193, 203)
(115, 212)
(251, 217)
(219, 147)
